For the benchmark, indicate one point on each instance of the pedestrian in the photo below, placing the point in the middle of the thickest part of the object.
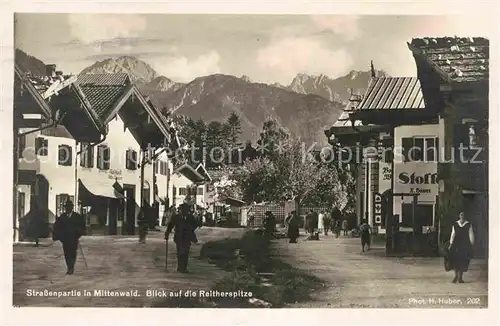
(169, 211)
(292, 222)
(184, 224)
(269, 223)
(68, 228)
(366, 232)
(36, 226)
(461, 247)
(337, 228)
(345, 227)
(326, 222)
(310, 222)
(321, 222)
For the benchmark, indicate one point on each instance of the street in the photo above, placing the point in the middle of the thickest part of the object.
(356, 280)
(114, 263)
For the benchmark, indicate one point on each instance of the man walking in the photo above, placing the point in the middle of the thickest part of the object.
(68, 229)
(345, 226)
(184, 224)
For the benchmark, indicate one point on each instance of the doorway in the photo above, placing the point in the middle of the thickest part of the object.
(42, 196)
(129, 194)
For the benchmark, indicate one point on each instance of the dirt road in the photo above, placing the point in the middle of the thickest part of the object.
(115, 263)
(369, 279)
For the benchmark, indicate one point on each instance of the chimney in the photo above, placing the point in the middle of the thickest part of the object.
(50, 70)
(372, 69)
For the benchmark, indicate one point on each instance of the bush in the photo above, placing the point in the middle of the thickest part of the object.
(288, 285)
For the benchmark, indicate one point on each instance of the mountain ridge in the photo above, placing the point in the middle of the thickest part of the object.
(306, 106)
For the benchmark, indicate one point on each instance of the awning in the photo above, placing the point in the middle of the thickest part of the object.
(89, 188)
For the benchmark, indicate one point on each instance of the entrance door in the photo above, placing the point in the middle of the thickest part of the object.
(113, 215)
(129, 193)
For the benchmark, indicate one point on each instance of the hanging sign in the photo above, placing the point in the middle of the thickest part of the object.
(377, 208)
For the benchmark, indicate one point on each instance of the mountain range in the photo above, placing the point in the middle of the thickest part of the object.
(305, 107)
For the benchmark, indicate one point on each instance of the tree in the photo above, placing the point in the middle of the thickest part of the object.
(291, 174)
(233, 125)
(271, 136)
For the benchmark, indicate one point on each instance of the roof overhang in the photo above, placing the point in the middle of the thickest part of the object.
(21, 105)
(141, 119)
(77, 115)
(233, 201)
(455, 86)
(69, 108)
(189, 172)
(203, 171)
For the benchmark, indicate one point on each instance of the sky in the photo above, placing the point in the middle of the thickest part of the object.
(266, 48)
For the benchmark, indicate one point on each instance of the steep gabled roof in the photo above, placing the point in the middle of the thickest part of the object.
(103, 91)
(393, 93)
(455, 59)
(203, 171)
(108, 93)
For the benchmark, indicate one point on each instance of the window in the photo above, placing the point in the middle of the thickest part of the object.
(131, 160)
(424, 215)
(183, 192)
(163, 167)
(87, 159)
(61, 199)
(199, 191)
(22, 145)
(103, 157)
(420, 149)
(41, 146)
(174, 191)
(65, 155)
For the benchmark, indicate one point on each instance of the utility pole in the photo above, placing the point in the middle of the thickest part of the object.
(142, 215)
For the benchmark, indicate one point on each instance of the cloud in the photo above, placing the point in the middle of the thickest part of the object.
(289, 56)
(182, 69)
(89, 28)
(346, 26)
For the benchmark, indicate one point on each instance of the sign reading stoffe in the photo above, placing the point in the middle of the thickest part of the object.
(420, 179)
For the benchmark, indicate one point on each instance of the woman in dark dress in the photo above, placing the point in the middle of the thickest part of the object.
(292, 222)
(461, 244)
(365, 230)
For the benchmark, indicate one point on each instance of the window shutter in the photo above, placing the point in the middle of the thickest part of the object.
(407, 144)
(45, 147)
(134, 160)
(38, 145)
(91, 157)
(22, 145)
(107, 156)
(127, 159)
(83, 155)
(100, 153)
(62, 155)
(69, 161)
(174, 191)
